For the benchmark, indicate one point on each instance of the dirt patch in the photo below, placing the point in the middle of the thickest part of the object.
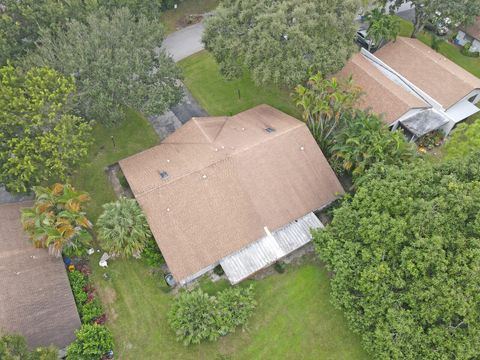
(109, 295)
(118, 181)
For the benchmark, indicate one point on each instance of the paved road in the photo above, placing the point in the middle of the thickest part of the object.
(184, 42)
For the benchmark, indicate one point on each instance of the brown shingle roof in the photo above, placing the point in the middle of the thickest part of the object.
(474, 29)
(35, 296)
(381, 95)
(439, 77)
(227, 179)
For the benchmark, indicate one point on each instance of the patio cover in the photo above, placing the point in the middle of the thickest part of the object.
(424, 121)
(270, 248)
(462, 110)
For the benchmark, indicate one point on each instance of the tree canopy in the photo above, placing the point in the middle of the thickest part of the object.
(279, 41)
(116, 62)
(404, 253)
(464, 140)
(458, 12)
(39, 138)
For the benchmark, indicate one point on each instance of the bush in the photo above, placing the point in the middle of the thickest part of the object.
(122, 228)
(235, 306)
(279, 267)
(123, 182)
(151, 254)
(466, 50)
(44, 353)
(14, 347)
(78, 282)
(91, 311)
(218, 270)
(195, 316)
(92, 342)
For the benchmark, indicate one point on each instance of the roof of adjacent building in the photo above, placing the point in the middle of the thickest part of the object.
(440, 78)
(381, 94)
(211, 187)
(474, 29)
(35, 296)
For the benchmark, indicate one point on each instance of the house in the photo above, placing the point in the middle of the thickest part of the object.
(36, 300)
(236, 191)
(470, 34)
(414, 87)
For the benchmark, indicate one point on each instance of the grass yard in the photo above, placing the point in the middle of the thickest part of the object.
(294, 318)
(133, 135)
(220, 97)
(448, 50)
(177, 18)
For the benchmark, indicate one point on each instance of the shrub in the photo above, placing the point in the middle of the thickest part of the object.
(218, 270)
(123, 181)
(92, 342)
(195, 316)
(91, 311)
(151, 254)
(279, 267)
(78, 282)
(235, 306)
(14, 347)
(44, 353)
(122, 228)
(466, 50)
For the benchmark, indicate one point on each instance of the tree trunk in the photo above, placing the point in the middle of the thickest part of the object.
(417, 25)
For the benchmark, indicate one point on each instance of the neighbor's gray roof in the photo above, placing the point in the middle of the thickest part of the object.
(424, 121)
(227, 179)
(474, 29)
(35, 296)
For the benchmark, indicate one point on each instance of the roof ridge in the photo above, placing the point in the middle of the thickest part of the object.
(227, 157)
(201, 130)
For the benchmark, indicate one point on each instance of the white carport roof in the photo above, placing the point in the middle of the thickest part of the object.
(270, 248)
(462, 110)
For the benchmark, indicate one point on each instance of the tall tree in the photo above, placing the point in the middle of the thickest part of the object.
(404, 254)
(327, 105)
(279, 41)
(382, 27)
(57, 220)
(116, 62)
(39, 139)
(458, 12)
(21, 21)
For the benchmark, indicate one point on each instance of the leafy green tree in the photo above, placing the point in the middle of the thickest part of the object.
(57, 220)
(122, 228)
(382, 27)
(115, 63)
(92, 342)
(21, 21)
(149, 9)
(404, 254)
(458, 12)
(366, 141)
(279, 41)
(464, 140)
(39, 139)
(327, 105)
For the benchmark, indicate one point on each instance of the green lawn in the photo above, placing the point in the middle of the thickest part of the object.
(175, 18)
(447, 49)
(294, 318)
(133, 135)
(221, 97)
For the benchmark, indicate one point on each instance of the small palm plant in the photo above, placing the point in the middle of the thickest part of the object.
(57, 220)
(383, 27)
(122, 228)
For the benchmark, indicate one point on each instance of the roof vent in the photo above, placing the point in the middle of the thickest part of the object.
(269, 129)
(163, 175)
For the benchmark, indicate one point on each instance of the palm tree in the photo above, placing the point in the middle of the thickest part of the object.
(122, 228)
(56, 221)
(382, 27)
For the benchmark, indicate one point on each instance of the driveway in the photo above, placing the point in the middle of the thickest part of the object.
(184, 42)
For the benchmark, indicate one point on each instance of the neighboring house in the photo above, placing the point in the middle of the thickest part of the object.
(237, 191)
(414, 87)
(36, 300)
(470, 34)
